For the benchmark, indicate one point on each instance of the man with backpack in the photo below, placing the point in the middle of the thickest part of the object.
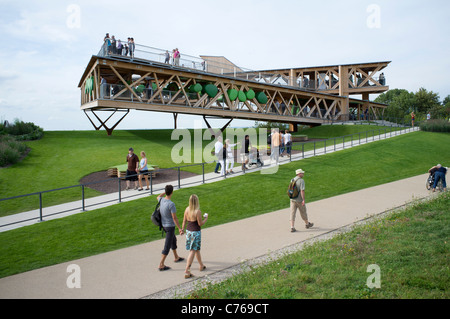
(296, 193)
(169, 220)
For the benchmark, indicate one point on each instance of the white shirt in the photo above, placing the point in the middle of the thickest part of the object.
(218, 147)
(287, 138)
(229, 152)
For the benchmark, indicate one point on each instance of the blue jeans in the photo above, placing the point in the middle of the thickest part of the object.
(437, 177)
(217, 167)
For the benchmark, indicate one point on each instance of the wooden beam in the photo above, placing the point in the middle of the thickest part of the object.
(125, 83)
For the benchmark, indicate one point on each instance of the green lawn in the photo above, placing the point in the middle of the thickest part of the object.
(410, 248)
(127, 224)
(62, 158)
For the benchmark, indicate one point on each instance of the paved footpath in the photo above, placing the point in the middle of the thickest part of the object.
(132, 272)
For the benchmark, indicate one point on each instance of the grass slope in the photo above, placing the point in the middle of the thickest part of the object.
(232, 199)
(410, 248)
(62, 158)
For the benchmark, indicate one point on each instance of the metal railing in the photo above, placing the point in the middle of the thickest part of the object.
(185, 61)
(301, 148)
(322, 83)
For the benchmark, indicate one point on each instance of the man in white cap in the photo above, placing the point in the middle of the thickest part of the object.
(299, 201)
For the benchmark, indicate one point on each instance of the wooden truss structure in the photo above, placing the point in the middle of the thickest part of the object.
(344, 80)
(111, 84)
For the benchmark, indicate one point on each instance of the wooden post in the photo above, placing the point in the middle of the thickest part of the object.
(365, 97)
(292, 77)
(343, 89)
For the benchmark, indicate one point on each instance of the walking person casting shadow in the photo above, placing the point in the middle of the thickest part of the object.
(169, 221)
(193, 218)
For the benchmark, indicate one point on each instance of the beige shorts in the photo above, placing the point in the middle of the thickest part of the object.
(301, 208)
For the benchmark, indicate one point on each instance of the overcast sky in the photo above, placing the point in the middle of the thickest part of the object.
(46, 45)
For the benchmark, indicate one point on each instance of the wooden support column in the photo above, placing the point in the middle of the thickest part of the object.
(343, 89)
(365, 97)
(292, 81)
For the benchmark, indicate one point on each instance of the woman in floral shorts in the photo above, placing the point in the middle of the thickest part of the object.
(193, 219)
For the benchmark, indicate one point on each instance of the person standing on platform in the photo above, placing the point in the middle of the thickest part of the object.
(107, 45)
(176, 57)
(131, 47)
(167, 57)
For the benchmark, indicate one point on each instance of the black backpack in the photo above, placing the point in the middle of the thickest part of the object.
(156, 216)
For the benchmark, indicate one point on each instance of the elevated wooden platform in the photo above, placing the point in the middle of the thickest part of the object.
(123, 84)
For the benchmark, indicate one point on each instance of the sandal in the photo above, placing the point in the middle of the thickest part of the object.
(187, 276)
(178, 260)
(203, 268)
(164, 268)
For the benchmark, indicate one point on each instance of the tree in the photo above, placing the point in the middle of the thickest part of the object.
(389, 96)
(400, 102)
(426, 101)
(446, 106)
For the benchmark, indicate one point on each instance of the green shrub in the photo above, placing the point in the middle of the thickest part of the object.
(21, 130)
(8, 155)
(11, 150)
(435, 126)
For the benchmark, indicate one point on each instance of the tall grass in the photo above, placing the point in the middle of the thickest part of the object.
(435, 126)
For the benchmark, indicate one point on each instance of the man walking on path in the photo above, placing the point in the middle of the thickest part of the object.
(275, 154)
(299, 201)
(169, 220)
(218, 151)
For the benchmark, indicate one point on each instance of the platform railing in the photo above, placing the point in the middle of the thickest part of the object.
(186, 61)
(196, 63)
